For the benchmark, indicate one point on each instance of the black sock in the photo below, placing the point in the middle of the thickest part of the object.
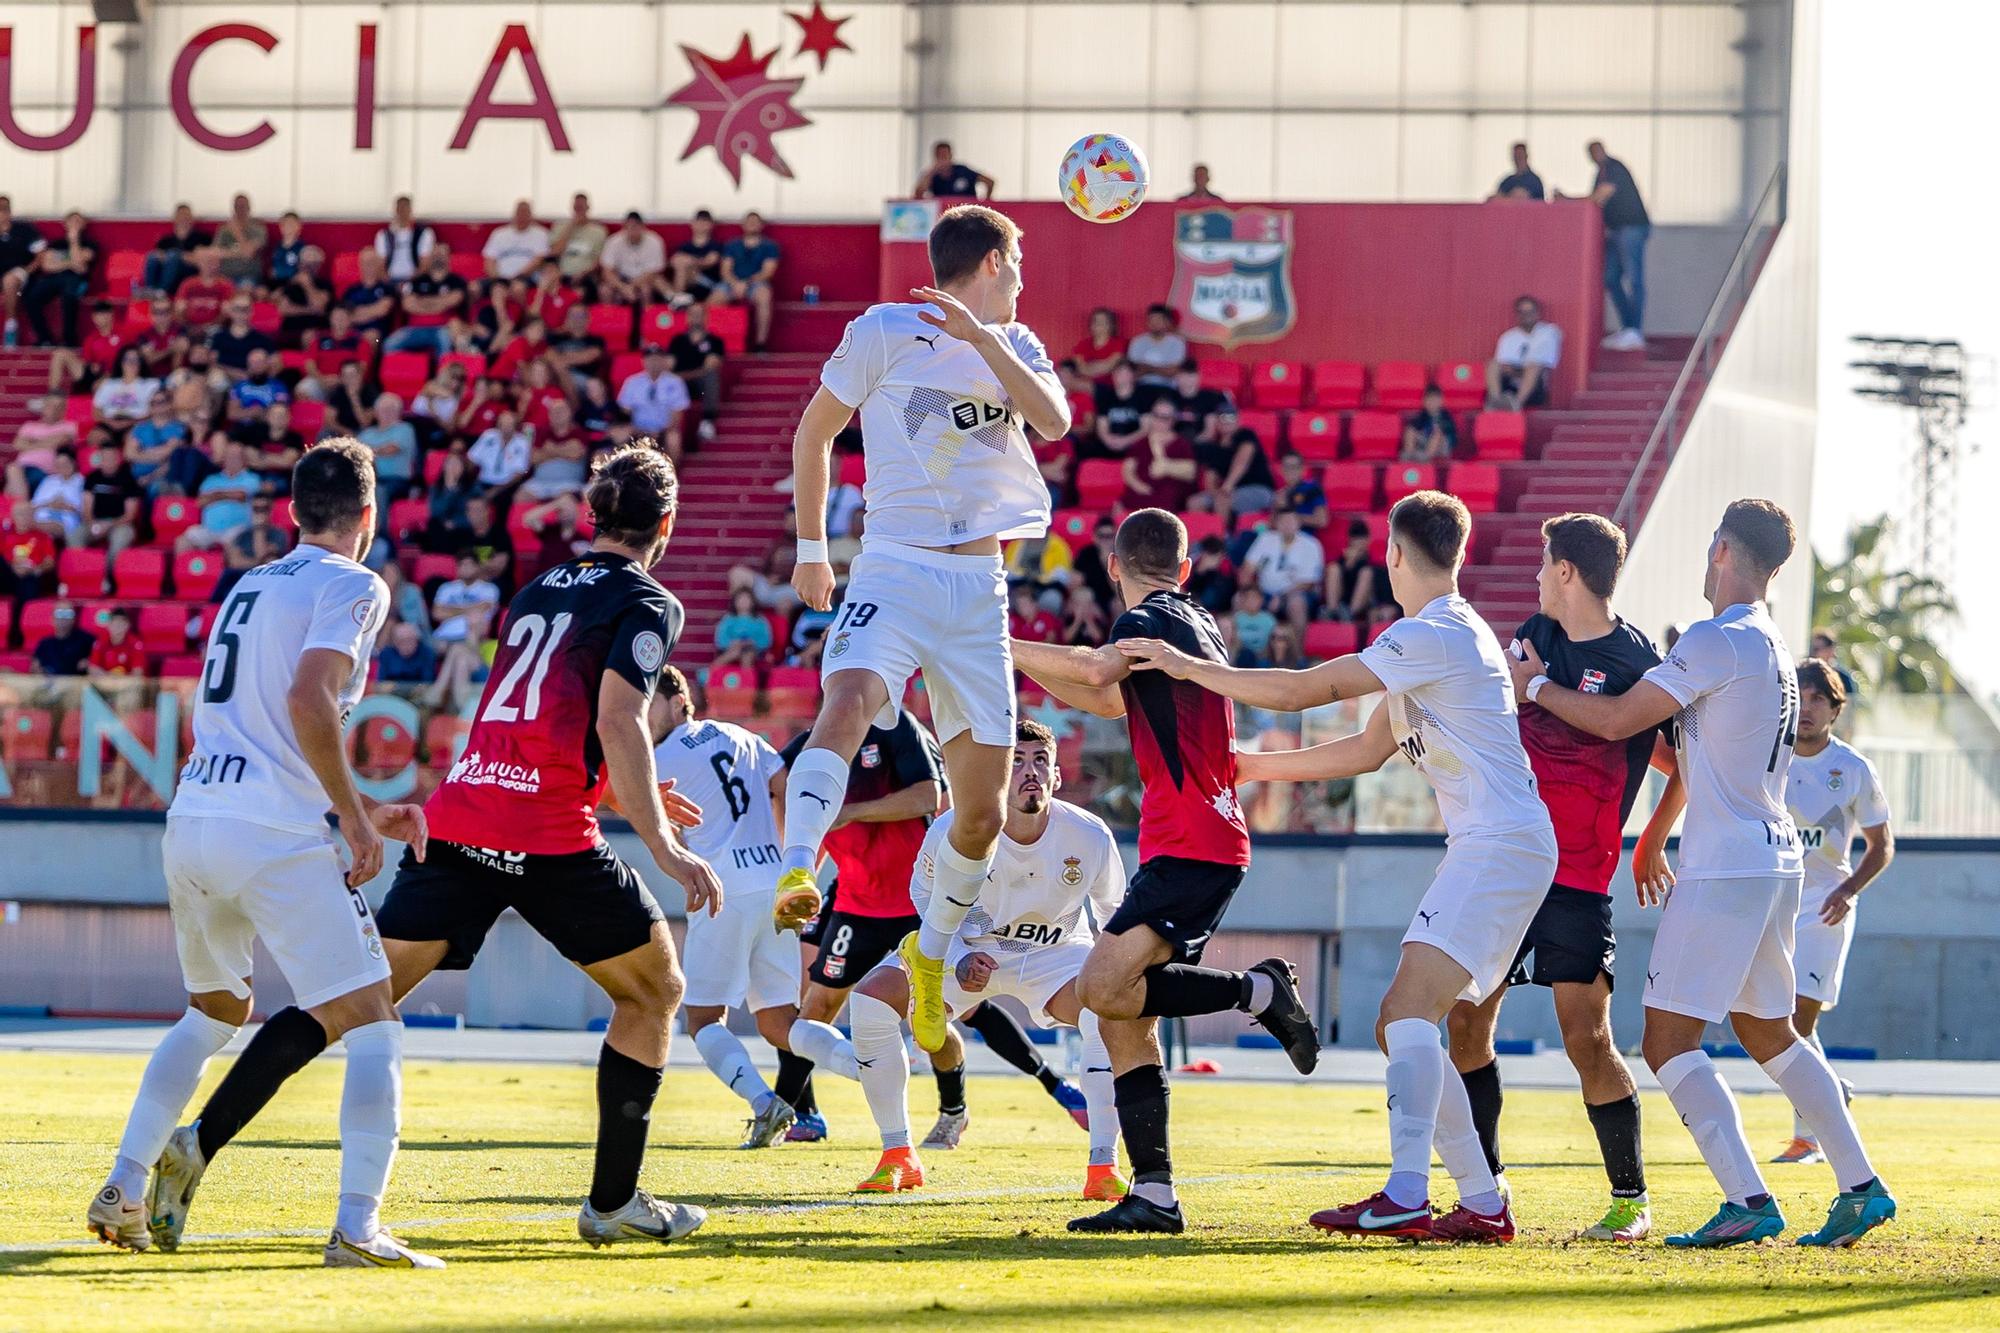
(1865, 1185)
(1182, 990)
(1482, 1089)
(625, 1093)
(794, 1078)
(1006, 1039)
(1141, 1097)
(289, 1041)
(951, 1089)
(1756, 1201)
(1617, 1126)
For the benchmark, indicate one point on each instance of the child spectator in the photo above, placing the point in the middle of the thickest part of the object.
(1084, 622)
(1301, 492)
(1429, 435)
(744, 635)
(1099, 351)
(1254, 627)
(1028, 619)
(1287, 563)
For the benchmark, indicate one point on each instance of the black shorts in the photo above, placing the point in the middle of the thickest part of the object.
(1181, 900)
(851, 946)
(590, 905)
(1570, 938)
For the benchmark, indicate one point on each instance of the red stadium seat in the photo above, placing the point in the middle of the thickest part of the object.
(613, 323)
(433, 469)
(792, 691)
(202, 621)
(468, 264)
(138, 315)
(1099, 483)
(25, 734)
(1375, 435)
(1463, 384)
(173, 515)
(1074, 526)
(853, 469)
(1316, 435)
(95, 616)
(37, 619)
(659, 324)
(407, 517)
(308, 418)
(386, 745)
(731, 323)
(80, 571)
(623, 367)
(1278, 383)
(163, 627)
(346, 270)
(1350, 487)
(1338, 385)
(79, 411)
(1399, 385)
(474, 363)
(140, 573)
(1269, 426)
(1401, 479)
(6, 622)
(122, 271)
(1378, 537)
(432, 566)
(1477, 484)
(732, 692)
(1500, 435)
(266, 318)
(1200, 525)
(1376, 631)
(196, 573)
(404, 373)
(180, 666)
(1331, 638)
(1224, 375)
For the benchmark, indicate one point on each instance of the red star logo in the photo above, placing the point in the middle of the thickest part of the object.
(822, 32)
(738, 106)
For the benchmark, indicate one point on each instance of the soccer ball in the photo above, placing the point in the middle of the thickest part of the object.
(1104, 177)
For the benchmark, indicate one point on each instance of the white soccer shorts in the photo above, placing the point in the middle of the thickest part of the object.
(1819, 955)
(908, 610)
(739, 957)
(1725, 947)
(1481, 902)
(231, 883)
(1033, 976)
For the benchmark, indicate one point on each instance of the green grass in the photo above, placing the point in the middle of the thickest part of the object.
(495, 1157)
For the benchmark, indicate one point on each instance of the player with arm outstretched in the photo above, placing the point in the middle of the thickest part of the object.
(947, 387)
(1450, 711)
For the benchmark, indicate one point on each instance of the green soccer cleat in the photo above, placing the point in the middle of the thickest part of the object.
(1853, 1215)
(1733, 1224)
(1628, 1220)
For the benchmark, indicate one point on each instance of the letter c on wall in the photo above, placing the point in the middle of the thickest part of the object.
(183, 105)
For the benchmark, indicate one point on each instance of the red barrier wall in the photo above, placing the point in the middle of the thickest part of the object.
(1372, 282)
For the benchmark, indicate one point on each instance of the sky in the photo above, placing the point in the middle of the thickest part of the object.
(1909, 204)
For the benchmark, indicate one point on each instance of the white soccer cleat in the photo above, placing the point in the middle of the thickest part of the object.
(946, 1132)
(380, 1250)
(117, 1220)
(644, 1218)
(175, 1178)
(768, 1126)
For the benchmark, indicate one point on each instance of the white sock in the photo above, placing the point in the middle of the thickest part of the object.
(1416, 1083)
(725, 1057)
(815, 789)
(1262, 991)
(1159, 1193)
(1710, 1113)
(884, 1066)
(1099, 1098)
(959, 879)
(1800, 1129)
(164, 1091)
(822, 1044)
(1458, 1148)
(1806, 1078)
(371, 1106)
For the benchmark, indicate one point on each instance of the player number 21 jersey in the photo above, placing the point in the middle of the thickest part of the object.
(727, 771)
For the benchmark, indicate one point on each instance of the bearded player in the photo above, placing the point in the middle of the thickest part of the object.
(947, 387)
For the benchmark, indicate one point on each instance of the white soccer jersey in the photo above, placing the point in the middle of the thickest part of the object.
(727, 771)
(1739, 695)
(1037, 894)
(246, 762)
(947, 459)
(1451, 710)
(1832, 795)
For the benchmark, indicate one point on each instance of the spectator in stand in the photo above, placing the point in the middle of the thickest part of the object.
(196, 386)
(1156, 354)
(370, 300)
(199, 300)
(151, 442)
(515, 247)
(74, 370)
(406, 600)
(272, 447)
(486, 541)
(1100, 350)
(35, 445)
(225, 500)
(1522, 182)
(237, 340)
(1430, 434)
(288, 251)
(58, 498)
(404, 242)
(435, 407)
(696, 263)
(162, 342)
(808, 638)
(1198, 191)
(241, 242)
(1081, 391)
(1093, 562)
(112, 494)
(20, 242)
(447, 527)
(1286, 562)
(252, 397)
(744, 635)
(577, 351)
(633, 265)
(1627, 227)
(770, 582)
(258, 542)
(406, 659)
(27, 557)
(578, 243)
(1083, 619)
(750, 273)
(558, 531)
(531, 343)
(1825, 648)
(1356, 586)
(561, 458)
(304, 296)
(352, 402)
(695, 355)
(549, 300)
(1043, 564)
(394, 444)
(1121, 413)
(1028, 619)
(539, 390)
(1212, 578)
(171, 258)
(1235, 471)
(459, 597)
(948, 178)
(1056, 461)
(655, 398)
(465, 665)
(61, 278)
(598, 413)
(1195, 405)
(1527, 354)
(64, 650)
(1161, 472)
(1254, 627)
(502, 453)
(120, 402)
(429, 301)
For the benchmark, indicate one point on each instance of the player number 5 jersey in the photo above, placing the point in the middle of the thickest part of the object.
(947, 459)
(1832, 795)
(727, 771)
(1045, 893)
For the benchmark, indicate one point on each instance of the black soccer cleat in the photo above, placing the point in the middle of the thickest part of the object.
(1133, 1214)
(1286, 1018)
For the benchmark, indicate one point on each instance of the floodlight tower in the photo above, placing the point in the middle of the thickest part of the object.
(1929, 377)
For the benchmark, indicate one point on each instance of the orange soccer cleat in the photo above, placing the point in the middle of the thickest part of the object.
(898, 1170)
(1103, 1184)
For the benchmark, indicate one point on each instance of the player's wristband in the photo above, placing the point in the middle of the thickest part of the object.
(1535, 687)
(812, 552)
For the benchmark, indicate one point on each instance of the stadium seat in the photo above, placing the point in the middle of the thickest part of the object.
(346, 269)
(1399, 385)
(180, 666)
(1200, 525)
(731, 323)
(1099, 483)
(95, 616)
(1269, 427)
(80, 412)
(407, 517)
(1278, 383)
(1224, 375)
(266, 318)
(1500, 435)
(37, 619)
(1337, 385)
(404, 373)
(853, 469)
(792, 691)
(433, 469)
(1350, 487)
(623, 367)
(308, 417)
(613, 323)
(1376, 631)
(201, 622)
(474, 363)
(1074, 526)
(433, 566)
(1463, 384)
(1374, 435)
(386, 745)
(1330, 638)
(1401, 479)
(80, 571)
(732, 692)
(173, 515)
(25, 734)
(140, 573)
(469, 264)
(6, 623)
(1477, 484)
(122, 271)
(196, 573)
(163, 627)
(16, 663)
(1316, 435)
(659, 324)
(1378, 537)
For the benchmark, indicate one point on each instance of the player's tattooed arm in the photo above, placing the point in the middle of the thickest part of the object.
(1363, 752)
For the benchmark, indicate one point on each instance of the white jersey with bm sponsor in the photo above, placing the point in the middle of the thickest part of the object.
(246, 762)
(947, 459)
(1055, 890)
(1452, 712)
(1738, 689)
(727, 771)
(1832, 795)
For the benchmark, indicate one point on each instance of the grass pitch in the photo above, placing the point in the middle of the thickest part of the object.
(495, 1158)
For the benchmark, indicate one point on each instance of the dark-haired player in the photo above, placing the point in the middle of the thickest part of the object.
(1450, 712)
(947, 387)
(1724, 946)
(1589, 785)
(249, 857)
(514, 824)
(1193, 847)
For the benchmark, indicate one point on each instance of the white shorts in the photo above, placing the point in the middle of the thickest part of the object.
(1479, 906)
(1725, 947)
(1032, 977)
(740, 956)
(1819, 955)
(908, 610)
(231, 883)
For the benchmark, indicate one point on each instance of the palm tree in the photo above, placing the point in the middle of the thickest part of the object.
(1883, 617)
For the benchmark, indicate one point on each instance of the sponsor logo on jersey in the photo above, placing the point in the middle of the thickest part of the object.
(374, 940)
(930, 866)
(846, 340)
(214, 769)
(362, 611)
(871, 755)
(1032, 930)
(1226, 805)
(474, 771)
(649, 650)
(1072, 871)
(1388, 644)
(1593, 681)
(1812, 838)
(1233, 275)
(839, 645)
(1834, 780)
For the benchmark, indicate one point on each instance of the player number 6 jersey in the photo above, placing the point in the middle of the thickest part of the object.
(727, 771)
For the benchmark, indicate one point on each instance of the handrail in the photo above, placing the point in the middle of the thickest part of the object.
(1730, 298)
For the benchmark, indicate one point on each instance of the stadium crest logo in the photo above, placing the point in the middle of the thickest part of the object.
(1233, 275)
